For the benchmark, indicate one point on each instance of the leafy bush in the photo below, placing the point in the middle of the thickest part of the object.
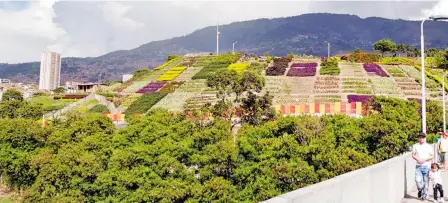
(329, 67)
(360, 57)
(143, 103)
(99, 108)
(397, 61)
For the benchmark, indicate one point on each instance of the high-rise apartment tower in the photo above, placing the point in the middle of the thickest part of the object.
(50, 71)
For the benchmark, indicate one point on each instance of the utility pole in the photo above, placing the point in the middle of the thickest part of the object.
(217, 40)
(233, 46)
(328, 55)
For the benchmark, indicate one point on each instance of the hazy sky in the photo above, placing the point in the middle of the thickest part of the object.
(86, 28)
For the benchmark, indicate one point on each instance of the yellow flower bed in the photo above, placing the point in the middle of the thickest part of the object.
(172, 73)
(238, 67)
(166, 64)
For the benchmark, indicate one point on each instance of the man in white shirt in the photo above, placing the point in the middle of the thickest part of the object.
(423, 153)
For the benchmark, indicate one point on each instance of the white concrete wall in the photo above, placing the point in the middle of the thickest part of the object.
(385, 182)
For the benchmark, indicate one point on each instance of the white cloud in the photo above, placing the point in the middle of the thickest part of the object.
(115, 14)
(35, 21)
(86, 28)
(441, 8)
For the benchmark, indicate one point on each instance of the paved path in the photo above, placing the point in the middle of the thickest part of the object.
(412, 196)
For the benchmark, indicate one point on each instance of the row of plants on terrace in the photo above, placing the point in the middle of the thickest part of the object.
(433, 83)
(172, 73)
(151, 87)
(279, 67)
(329, 67)
(376, 69)
(301, 72)
(143, 104)
(394, 71)
(219, 62)
(189, 61)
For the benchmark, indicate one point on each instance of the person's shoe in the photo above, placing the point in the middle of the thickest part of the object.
(419, 194)
(442, 200)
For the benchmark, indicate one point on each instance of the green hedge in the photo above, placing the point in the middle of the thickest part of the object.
(99, 108)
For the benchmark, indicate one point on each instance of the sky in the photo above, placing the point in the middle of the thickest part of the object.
(90, 29)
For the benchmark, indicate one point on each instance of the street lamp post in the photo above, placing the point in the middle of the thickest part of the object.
(233, 46)
(328, 52)
(444, 111)
(422, 42)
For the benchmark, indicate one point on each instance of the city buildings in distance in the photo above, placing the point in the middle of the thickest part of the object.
(50, 71)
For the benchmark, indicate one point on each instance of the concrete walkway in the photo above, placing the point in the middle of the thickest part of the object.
(412, 196)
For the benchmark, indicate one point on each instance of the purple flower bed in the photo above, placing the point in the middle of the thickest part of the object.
(302, 72)
(375, 68)
(359, 98)
(305, 65)
(151, 87)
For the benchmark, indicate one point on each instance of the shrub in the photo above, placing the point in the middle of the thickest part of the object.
(99, 108)
(359, 57)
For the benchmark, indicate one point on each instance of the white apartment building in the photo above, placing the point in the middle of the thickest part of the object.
(50, 71)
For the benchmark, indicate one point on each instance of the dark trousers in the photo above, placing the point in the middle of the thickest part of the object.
(439, 188)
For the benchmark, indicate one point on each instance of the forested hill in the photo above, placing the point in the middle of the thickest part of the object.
(304, 34)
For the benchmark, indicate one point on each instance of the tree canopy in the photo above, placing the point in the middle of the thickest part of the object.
(385, 45)
(164, 157)
(12, 94)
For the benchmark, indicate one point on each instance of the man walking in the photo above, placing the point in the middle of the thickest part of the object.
(422, 152)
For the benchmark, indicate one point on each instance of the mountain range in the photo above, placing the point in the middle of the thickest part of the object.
(303, 34)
